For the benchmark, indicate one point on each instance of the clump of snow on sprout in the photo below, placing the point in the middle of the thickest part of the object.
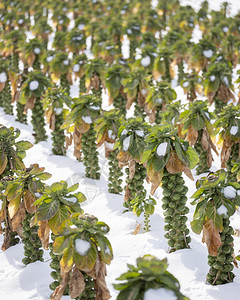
(229, 192)
(145, 61)
(126, 143)
(3, 77)
(33, 85)
(161, 293)
(208, 53)
(162, 149)
(82, 246)
(234, 130)
(87, 119)
(222, 210)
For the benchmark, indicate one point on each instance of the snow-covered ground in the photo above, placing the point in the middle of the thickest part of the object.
(189, 266)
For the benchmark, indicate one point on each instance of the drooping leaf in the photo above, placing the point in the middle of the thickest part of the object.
(13, 206)
(76, 284)
(87, 262)
(61, 215)
(60, 244)
(211, 237)
(29, 199)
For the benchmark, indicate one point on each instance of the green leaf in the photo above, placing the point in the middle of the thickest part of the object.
(192, 157)
(211, 214)
(80, 197)
(13, 190)
(47, 210)
(131, 292)
(60, 244)
(23, 145)
(179, 152)
(136, 147)
(159, 163)
(44, 176)
(87, 262)
(198, 122)
(146, 155)
(106, 253)
(57, 186)
(73, 188)
(60, 216)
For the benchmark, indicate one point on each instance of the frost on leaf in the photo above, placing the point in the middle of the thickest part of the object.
(82, 246)
(229, 192)
(162, 149)
(211, 237)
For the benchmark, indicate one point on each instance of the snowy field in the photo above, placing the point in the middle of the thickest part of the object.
(189, 266)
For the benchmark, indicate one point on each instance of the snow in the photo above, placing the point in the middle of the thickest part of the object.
(139, 133)
(107, 251)
(158, 100)
(159, 294)
(111, 135)
(20, 21)
(234, 130)
(33, 85)
(126, 143)
(110, 146)
(229, 192)
(87, 119)
(162, 149)
(186, 84)
(145, 61)
(36, 50)
(58, 110)
(66, 62)
(94, 107)
(49, 58)
(225, 80)
(144, 92)
(3, 77)
(124, 131)
(81, 26)
(73, 227)
(222, 210)
(225, 29)
(208, 53)
(212, 78)
(82, 246)
(76, 68)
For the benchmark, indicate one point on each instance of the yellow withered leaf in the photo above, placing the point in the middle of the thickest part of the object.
(13, 206)
(43, 233)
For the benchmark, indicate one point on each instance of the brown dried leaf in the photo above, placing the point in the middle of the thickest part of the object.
(129, 102)
(141, 99)
(102, 292)
(43, 233)
(30, 104)
(174, 164)
(204, 140)
(211, 237)
(57, 294)
(28, 199)
(52, 122)
(94, 272)
(127, 194)
(18, 218)
(188, 173)
(76, 284)
(155, 178)
(69, 77)
(192, 135)
(131, 168)
(225, 153)
(2, 85)
(123, 158)
(31, 59)
(224, 94)
(95, 82)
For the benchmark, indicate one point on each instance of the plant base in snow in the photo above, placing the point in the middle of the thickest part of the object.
(222, 264)
(38, 122)
(175, 209)
(31, 241)
(90, 154)
(114, 185)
